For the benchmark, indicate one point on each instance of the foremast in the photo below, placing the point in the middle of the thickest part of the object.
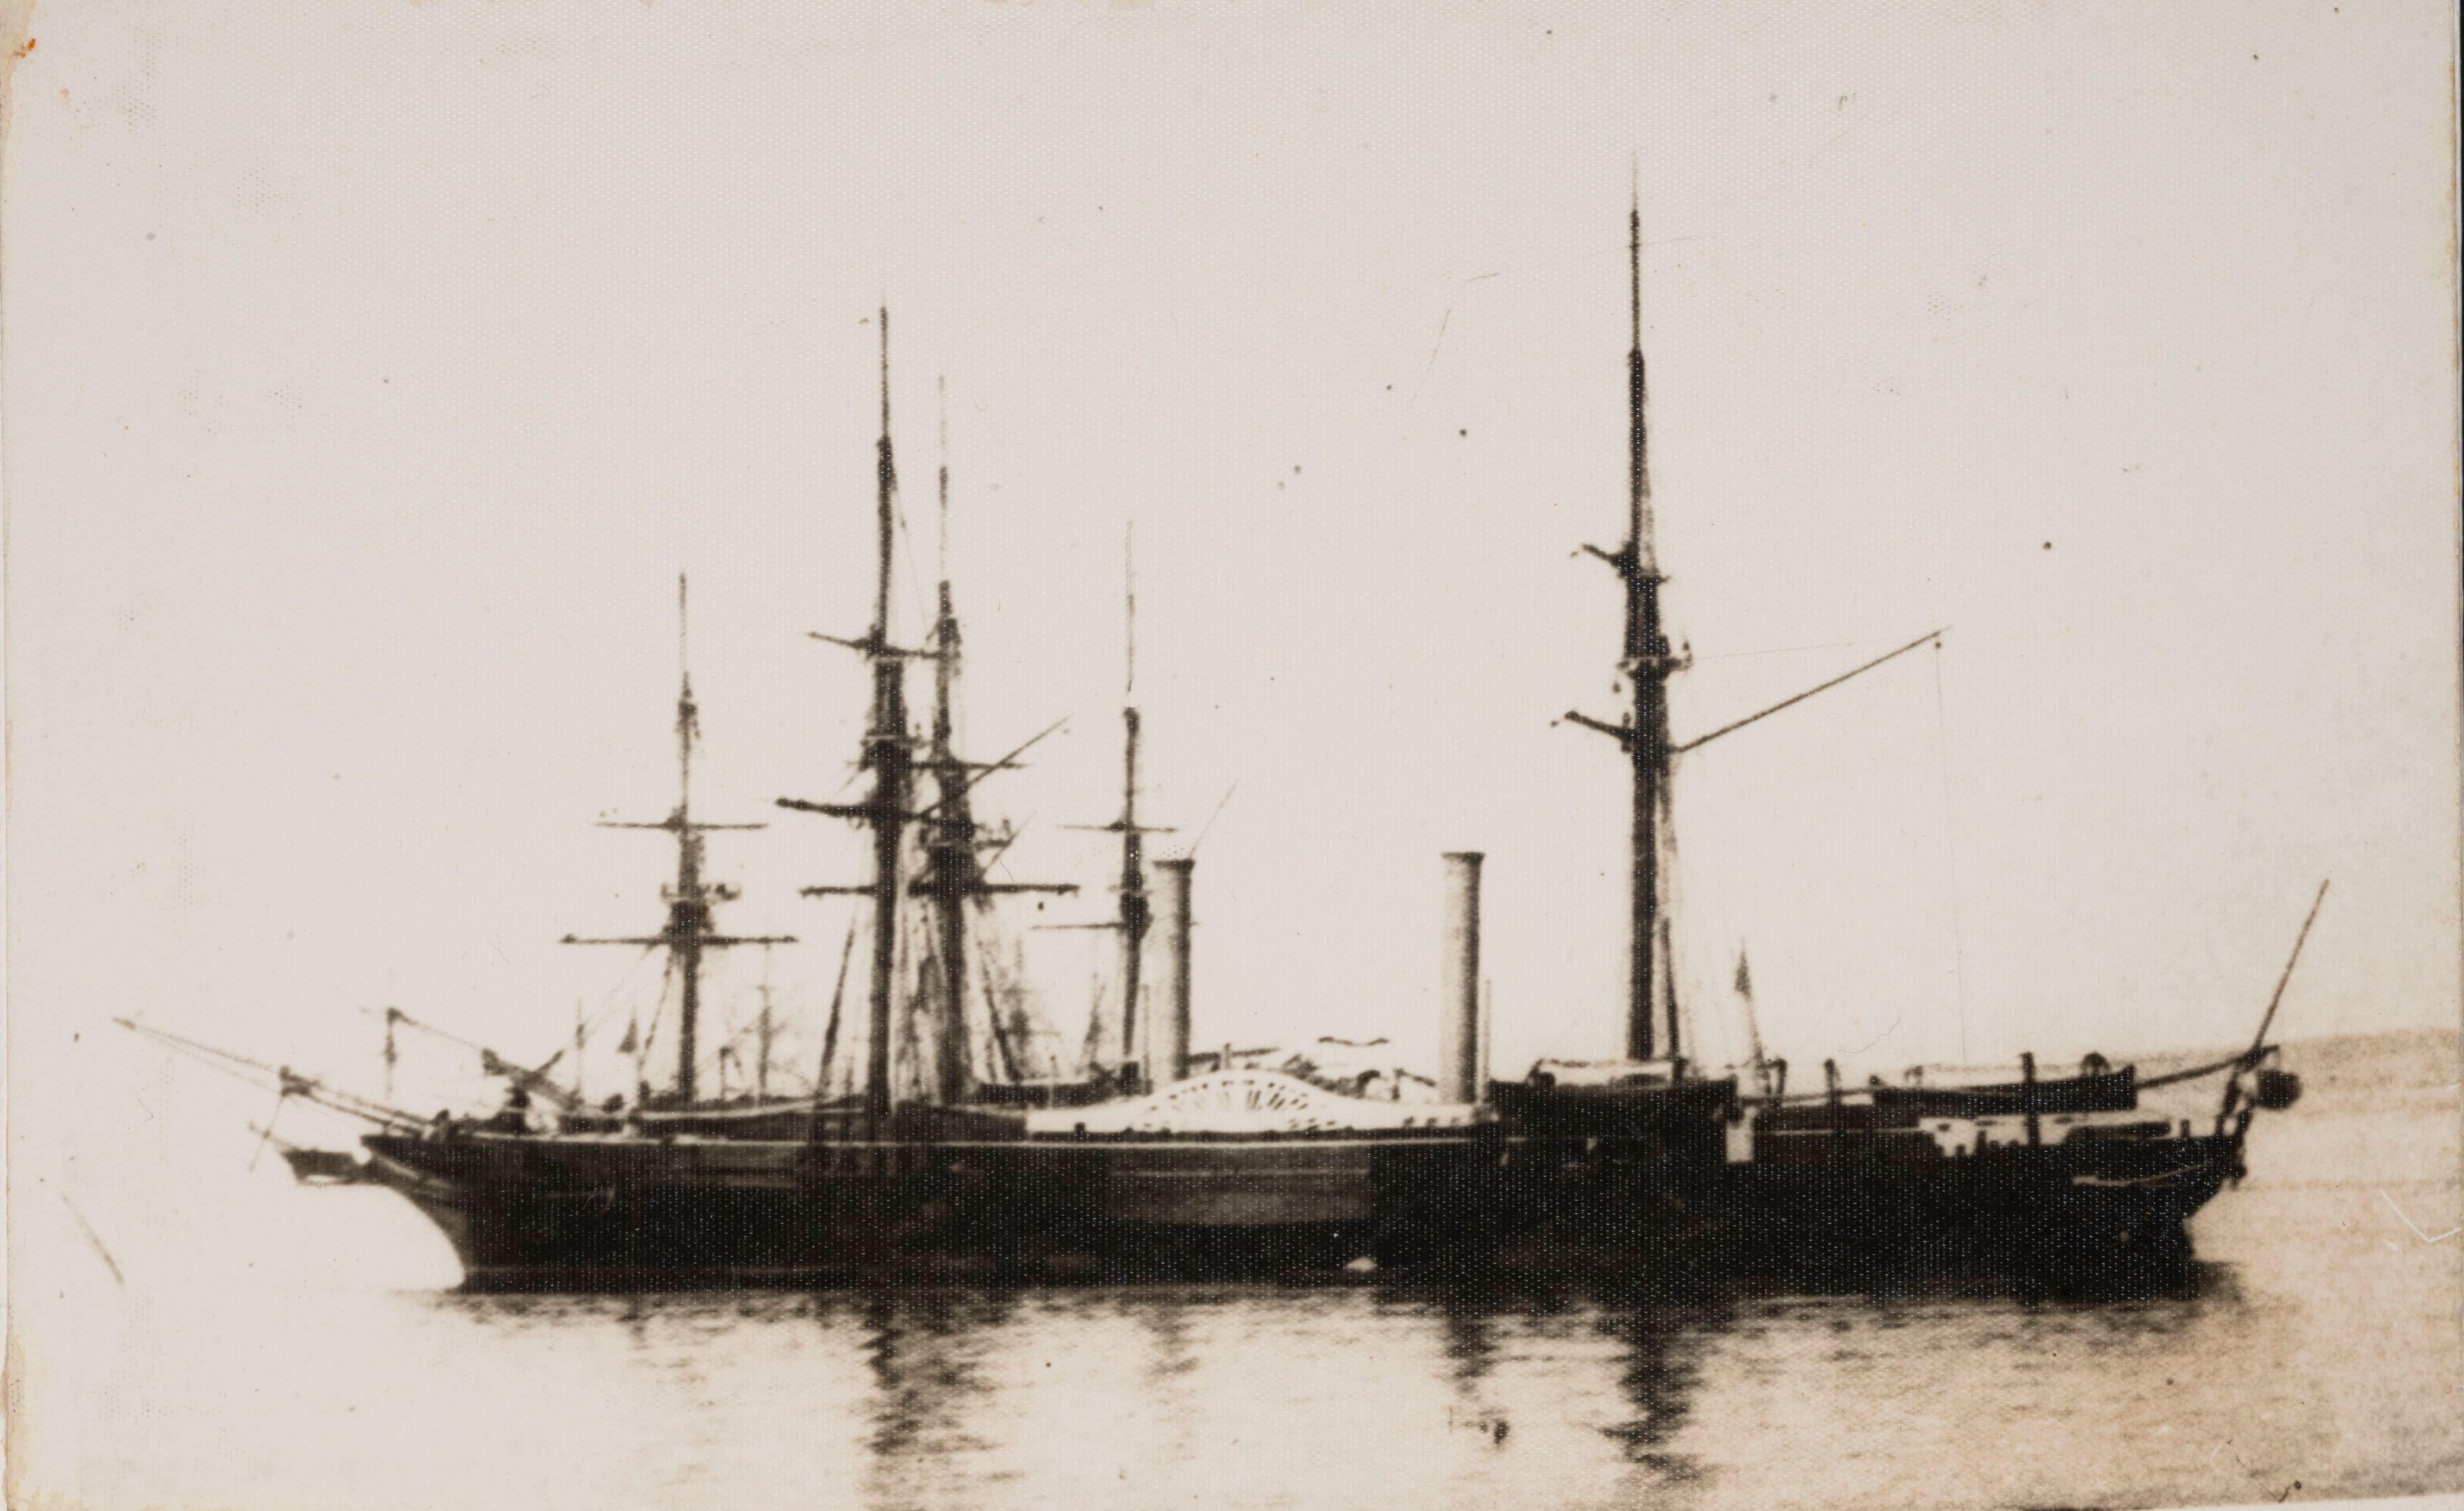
(690, 930)
(888, 754)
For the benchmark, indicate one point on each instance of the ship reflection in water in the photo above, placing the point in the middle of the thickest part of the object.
(1217, 1396)
(1375, 1395)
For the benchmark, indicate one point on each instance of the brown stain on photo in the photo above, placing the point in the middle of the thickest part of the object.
(16, 18)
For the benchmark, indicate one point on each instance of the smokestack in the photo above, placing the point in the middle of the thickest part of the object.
(1459, 983)
(1168, 1034)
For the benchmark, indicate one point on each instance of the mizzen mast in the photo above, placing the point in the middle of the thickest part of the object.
(689, 930)
(1647, 665)
(1136, 914)
(950, 845)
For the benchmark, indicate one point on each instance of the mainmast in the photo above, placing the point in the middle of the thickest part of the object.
(954, 873)
(1647, 664)
(950, 848)
(689, 930)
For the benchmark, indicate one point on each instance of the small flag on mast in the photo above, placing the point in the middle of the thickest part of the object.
(1774, 1074)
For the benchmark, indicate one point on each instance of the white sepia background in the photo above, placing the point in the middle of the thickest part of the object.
(373, 369)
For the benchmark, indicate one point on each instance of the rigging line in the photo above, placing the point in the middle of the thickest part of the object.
(599, 1015)
(1557, 1035)
(650, 1034)
(1565, 1021)
(838, 996)
(1212, 817)
(1000, 1044)
(488, 1054)
(905, 1050)
(1776, 650)
(1028, 1022)
(766, 1027)
(2194, 1073)
(914, 948)
(291, 1082)
(204, 1054)
(1679, 1003)
(2258, 1042)
(592, 1021)
(855, 768)
(1094, 1027)
(1699, 741)
(995, 862)
(1594, 256)
(279, 1098)
(1950, 851)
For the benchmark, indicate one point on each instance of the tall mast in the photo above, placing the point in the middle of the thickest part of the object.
(886, 751)
(950, 851)
(762, 1033)
(1135, 912)
(689, 930)
(1647, 664)
(953, 870)
(1135, 915)
(688, 909)
(688, 913)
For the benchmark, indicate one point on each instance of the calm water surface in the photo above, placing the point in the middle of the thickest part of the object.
(2315, 1355)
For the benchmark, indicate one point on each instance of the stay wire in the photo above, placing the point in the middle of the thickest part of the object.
(1950, 851)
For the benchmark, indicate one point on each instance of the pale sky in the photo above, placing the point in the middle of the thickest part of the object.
(373, 369)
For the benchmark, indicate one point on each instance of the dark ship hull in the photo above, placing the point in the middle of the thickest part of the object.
(1692, 1195)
